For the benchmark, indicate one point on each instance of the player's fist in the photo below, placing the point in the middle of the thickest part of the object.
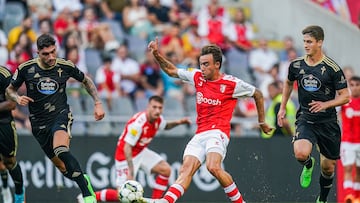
(99, 112)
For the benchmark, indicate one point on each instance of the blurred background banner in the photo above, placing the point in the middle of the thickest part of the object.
(264, 169)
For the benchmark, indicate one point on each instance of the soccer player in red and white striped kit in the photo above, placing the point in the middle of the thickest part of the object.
(216, 97)
(350, 142)
(132, 152)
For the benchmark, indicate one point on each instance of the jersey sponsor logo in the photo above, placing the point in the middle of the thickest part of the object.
(350, 112)
(133, 132)
(47, 86)
(201, 99)
(310, 83)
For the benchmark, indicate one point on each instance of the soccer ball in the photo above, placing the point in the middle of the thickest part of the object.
(130, 192)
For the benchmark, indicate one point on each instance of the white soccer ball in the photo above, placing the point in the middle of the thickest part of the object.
(130, 192)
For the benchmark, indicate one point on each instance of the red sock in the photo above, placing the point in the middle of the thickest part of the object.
(160, 186)
(233, 193)
(107, 195)
(174, 192)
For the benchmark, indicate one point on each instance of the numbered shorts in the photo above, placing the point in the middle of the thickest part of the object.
(8, 139)
(146, 160)
(45, 134)
(350, 153)
(326, 135)
(205, 142)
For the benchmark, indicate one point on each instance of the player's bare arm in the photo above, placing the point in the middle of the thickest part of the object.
(288, 87)
(259, 101)
(7, 105)
(11, 93)
(165, 65)
(91, 89)
(129, 160)
(343, 97)
(172, 124)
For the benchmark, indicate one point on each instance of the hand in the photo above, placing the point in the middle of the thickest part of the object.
(281, 116)
(99, 111)
(185, 121)
(266, 128)
(317, 106)
(24, 100)
(153, 45)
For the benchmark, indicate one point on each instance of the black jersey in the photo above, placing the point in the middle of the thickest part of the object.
(47, 87)
(316, 83)
(5, 78)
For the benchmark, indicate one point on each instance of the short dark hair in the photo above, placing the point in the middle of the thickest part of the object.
(314, 31)
(355, 78)
(156, 98)
(45, 40)
(214, 50)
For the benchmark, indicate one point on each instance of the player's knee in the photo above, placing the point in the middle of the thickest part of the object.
(166, 170)
(301, 156)
(10, 163)
(214, 170)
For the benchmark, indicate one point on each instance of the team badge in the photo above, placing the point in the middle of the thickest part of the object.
(59, 71)
(222, 88)
(133, 132)
(323, 69)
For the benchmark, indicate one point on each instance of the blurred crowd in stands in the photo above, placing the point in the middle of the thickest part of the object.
(107, 39)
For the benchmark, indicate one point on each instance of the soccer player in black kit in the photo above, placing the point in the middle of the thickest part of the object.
(321, 86)
(45, 78)
(8, 138)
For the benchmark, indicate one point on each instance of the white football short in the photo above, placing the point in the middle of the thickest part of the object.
(205, 142)
(350, 153)
(146, 160)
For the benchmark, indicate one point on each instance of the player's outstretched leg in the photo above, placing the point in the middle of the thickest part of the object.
(5, 190)
(305, 177)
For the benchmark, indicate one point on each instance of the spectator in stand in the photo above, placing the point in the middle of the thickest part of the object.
(192, 43)
(87, 25)
(95, 4)
(151, 81)
(103, 38)
(63, 24)
(4, 53)
(350, 142)
(245, 108)
(239, 34)
(289, 44)
(18, 57)
(24, 43)
(46, 27)
(291, 55)
(158, 14)
(129, 70)
(173, 87)
(213, 20)
(136, 20)
(40, 10)
(24, 27)
(108, 82)
(348, 72)
(75, 7)
(171, 42)
(327, 4)
(113, 9)
(261, 60)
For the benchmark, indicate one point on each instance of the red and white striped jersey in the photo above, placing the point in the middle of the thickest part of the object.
(138, 133)
(350, 115)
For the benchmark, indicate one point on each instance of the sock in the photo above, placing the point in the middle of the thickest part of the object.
(4, 178)
(160, 186)
(233, 193)
(174, 193)
(74, 171)
(308, 162)
(325, 186)
(356, 189)
(17, 178)
(348, 187)
(107, 195)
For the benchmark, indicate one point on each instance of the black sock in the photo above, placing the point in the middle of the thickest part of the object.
(308, 162)
(325, 186)
(17, 178)
(74, 171)
(4, 178)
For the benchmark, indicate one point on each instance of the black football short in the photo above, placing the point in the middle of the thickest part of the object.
(326, 135)
(8, 139)
(45, 134)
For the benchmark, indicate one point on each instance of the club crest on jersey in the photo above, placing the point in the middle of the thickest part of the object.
(47, 86)
(222, 88)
